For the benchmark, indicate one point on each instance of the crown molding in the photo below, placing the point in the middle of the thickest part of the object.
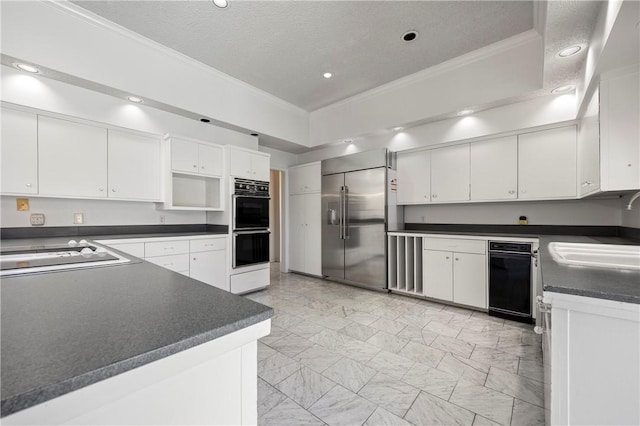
(77, 12)
(442, 68)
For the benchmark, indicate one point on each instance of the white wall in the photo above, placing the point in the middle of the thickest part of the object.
(540, 111)
(280, 160)
(59, 212)
(597, 212)
(65, 38)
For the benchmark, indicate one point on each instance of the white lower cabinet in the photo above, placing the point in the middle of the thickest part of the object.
(207, 262)
(458, 276)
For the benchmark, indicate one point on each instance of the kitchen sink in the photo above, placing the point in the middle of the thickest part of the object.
(609, 256)
(33, 259)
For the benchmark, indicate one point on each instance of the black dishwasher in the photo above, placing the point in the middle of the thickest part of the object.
(510, 280)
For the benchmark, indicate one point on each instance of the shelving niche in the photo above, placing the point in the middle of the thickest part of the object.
(405, 264)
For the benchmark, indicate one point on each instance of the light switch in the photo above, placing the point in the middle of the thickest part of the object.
(78, 218)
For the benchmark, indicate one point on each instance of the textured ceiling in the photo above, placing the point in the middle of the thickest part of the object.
(284, 47)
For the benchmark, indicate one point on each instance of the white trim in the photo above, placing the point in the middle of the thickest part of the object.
(98, 21)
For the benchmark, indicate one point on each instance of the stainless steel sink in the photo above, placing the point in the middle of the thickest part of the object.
(608, 256)
(26, 260)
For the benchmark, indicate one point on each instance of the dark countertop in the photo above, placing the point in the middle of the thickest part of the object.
(600, 283)
(65, 330)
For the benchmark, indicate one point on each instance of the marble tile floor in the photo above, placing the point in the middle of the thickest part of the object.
(342, 355)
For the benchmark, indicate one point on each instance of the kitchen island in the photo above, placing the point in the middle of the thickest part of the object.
(127, 344)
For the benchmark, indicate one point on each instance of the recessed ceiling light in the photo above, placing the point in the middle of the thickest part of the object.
(27, 68)
(134, 99)
(397, 129)
(327, 75)
(564, 89)
(569, 51)
(465, 112)
(254, 134)
(205, 120)
(220, 3)
(348, 141)
(410, 36)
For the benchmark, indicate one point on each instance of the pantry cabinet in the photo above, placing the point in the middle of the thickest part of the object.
(305, 230)
(133, 166)
(450, 173)
(305, 178)
(620, 130)
(414, 177)
(547, 164)
(494, 169)
(19, 152)
(248, 164)
(72, 158)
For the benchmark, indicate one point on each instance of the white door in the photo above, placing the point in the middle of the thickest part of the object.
(19, 152)
(134, 166)
(414, 178)
(240, 164)
(450, 173)
(297, 233)
(72, 158)
(313, 234)
(494, 169)
(208, 267)
(470, 279)
(210, 160)
(438, 274)
(260, 167)
(547, 164)
(184, 156)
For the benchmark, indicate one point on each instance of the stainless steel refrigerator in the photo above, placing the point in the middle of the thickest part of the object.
(357, 211)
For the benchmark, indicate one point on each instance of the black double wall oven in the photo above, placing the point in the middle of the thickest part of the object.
(250, 223)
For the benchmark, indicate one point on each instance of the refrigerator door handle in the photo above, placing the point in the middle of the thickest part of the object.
(341, 213)
(346, 213)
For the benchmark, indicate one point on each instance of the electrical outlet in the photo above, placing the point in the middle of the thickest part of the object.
(37, 219)
(22, 204)
(78, 218)
(163, 219)
(424, 219)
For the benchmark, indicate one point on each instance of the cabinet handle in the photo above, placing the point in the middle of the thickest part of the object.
(447, 257)
(113, 190)
(511, 191)
(28, 185)
(195, 166)
(194, 258)
(587, 183)
(524, 191)
(457, 258)
(434, 195)
(168, 248)
(101, 189)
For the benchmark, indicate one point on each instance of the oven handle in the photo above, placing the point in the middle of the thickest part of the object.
(257, 231)
(252, 196)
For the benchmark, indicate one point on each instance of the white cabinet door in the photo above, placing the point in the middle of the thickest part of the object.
(209, 267)
(620, 130)
(547, 164)
(438, 274)
(184, 156)
(72, 158)
(260, 167)
(313, 234)
(295, 180)
(469, 279)
(305, 179)
(450, 173)
(588, 140)
(297, 231)
(19, 152)
(240, 164)
(134, 166)
(414, 178)
(210, 160)
(494, 169)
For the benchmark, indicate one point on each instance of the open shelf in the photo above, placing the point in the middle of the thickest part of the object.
(194, 192)
(405, 264)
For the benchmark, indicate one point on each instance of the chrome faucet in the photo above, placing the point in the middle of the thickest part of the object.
(635, 197)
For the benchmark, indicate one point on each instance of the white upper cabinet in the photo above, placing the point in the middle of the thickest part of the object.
(133, 166)
(494, 169)
(193, 157)
(620, 130)
(589, 148)
(450, 173)
(414, 177)
(248, 164)
(19, 152)
(547, 164)
(72, 158)
(305, 178)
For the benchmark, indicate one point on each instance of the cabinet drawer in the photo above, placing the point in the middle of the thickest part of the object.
(177, 263)
(208, 245)
(165, 248)
(242, 283)
(454, 244)
(134, 249)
